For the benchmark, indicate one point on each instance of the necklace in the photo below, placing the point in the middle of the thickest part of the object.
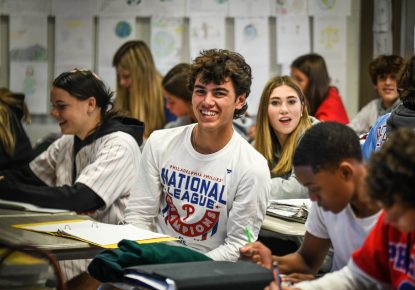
(193, 139)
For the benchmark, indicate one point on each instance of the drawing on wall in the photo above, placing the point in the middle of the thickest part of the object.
(29, 82)
(327, 4)
(250, 32)
(207, 7)
(293, 39)
(166, 41)
(73, 43)
(35, 52)
(123, 29)
(289, 7)
(28, 60)
(206, 33)
(329, 37)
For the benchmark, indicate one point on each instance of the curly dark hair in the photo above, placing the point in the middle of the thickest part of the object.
(325, 145)
(215, 65)
(384, 65)
(406, 84)
(391, 171)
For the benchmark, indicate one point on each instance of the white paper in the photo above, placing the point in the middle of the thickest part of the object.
(338, 76)
(207, 7)
(31, 7)
(260, 76)
(123, 8)
(206, 33)
(289, 7)
(382, 16)
(249, 8)
(170, 8)
(382, 43)
(330, 38)
(166, 41)
(28, 60)
(293, 38)
(73, 43)
(329, 7)
(76, 8)
(112, 33)
(252, 39)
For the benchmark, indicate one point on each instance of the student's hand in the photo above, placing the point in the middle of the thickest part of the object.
(257, 253)
(273, 286)
(296, 277)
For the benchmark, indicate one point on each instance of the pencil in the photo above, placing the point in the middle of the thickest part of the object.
(248, 234)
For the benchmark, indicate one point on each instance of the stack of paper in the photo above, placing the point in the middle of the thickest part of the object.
(291, 209)
(96, 233)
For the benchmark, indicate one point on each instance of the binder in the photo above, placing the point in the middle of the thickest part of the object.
(96, 233)
(218, 275)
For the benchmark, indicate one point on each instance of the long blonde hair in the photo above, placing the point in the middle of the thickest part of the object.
(8, 101)
(144, 100)
(266, 141)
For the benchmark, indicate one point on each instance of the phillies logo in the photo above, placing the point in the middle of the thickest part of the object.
(199, 228)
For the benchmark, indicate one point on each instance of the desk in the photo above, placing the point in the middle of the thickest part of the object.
(282, 229)
(62, 248)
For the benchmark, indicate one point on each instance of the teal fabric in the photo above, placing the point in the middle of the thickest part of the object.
(108, 266)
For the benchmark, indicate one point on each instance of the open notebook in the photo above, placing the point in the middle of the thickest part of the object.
(96, 233)
(290, 209)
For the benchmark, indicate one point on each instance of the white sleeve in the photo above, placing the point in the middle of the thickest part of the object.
(248, 210)
(144, 202)
(114, 172)
(350, 277)
(316, 223)
(283, 188)
(44, 166)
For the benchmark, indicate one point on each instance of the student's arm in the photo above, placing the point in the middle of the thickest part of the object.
(144, 202)
(282, 188)
(23, 186)
(350, 277)
(247, 210)
(307, 259)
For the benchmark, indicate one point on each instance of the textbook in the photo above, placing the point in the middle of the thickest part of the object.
(7, 204)
(96, 233)
(218, 275)
(290, 209)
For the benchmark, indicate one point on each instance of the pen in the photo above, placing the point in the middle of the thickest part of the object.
(248, 234)
(276, 274)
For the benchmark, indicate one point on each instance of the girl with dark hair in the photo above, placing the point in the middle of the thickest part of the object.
(93, 167)
(325, 103)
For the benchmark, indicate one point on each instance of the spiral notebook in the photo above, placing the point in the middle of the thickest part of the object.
(290, 209)
(96, 233)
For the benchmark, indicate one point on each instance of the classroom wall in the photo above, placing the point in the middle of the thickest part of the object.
(44, 124)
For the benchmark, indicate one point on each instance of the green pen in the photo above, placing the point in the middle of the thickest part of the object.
(248, 234)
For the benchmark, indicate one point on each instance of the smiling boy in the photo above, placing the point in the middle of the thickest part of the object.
(203, 183)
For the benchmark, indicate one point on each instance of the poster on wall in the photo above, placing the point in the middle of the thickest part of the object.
(289, 8)
(28, 53)
(166, 41)
(332, 8)
(112, 33)
(206, 33)
(252, 42)
(293, 38)
(78, 8)
(73, 43)
(249, 8)
(207, 7)
(27, 7)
